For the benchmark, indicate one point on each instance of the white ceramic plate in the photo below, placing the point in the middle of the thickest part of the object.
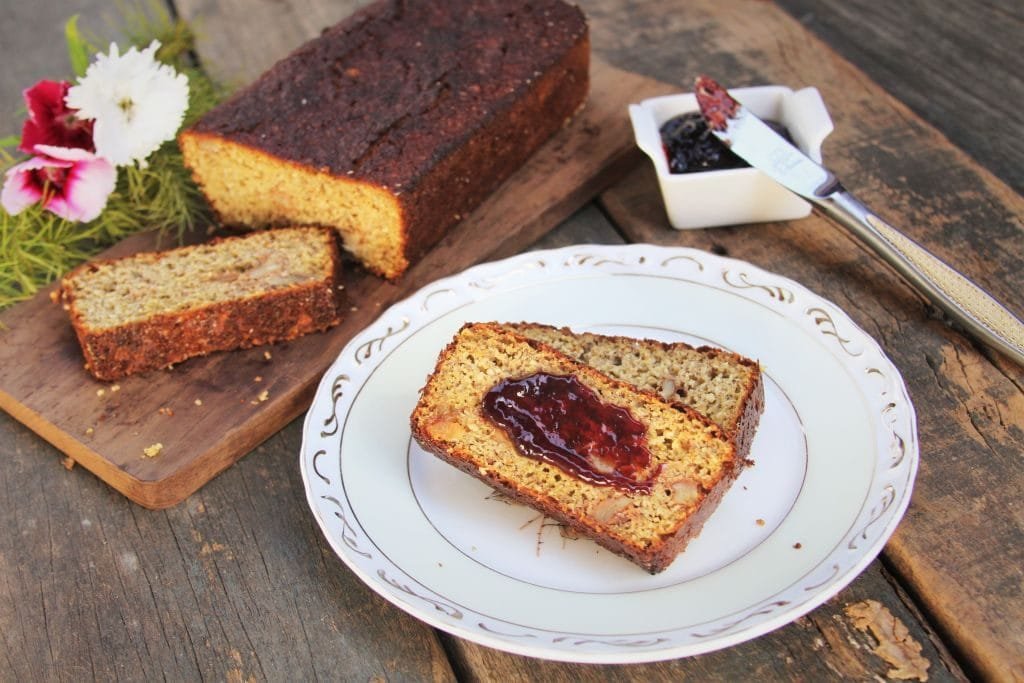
(835, 454)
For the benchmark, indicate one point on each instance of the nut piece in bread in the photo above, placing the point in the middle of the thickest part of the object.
(694, 461)
(396, 123)
(150, 310)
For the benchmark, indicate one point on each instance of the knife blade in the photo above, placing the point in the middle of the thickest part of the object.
(976, 311)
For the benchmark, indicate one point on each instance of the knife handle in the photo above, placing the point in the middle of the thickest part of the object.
(965, 302)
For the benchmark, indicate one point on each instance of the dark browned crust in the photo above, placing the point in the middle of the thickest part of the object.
(753, 405)
(437, 103)
(460, 182)
(163, 340)
(653, 558)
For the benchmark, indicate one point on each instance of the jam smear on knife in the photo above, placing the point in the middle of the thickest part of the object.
(716, 104)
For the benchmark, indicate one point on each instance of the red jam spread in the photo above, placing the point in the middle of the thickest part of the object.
(556, 419)
(691, 147)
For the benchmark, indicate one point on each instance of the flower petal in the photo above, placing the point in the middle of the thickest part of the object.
(64, 153)
(88, 185)
(49, 120)
(19, 191)
(137, 103)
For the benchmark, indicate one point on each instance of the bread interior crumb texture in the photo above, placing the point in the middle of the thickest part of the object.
(116, 293)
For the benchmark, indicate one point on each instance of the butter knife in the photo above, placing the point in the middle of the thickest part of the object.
(764, 149)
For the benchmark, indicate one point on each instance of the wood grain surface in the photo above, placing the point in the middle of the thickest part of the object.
(236, 583)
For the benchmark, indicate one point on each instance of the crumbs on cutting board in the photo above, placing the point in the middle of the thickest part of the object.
(152, 450)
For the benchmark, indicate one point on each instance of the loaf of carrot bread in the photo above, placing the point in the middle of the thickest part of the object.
(620, 465)
(721, 385)
(150, 310)
(396, 123)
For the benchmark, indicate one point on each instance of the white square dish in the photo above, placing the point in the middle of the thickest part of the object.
(706, 199)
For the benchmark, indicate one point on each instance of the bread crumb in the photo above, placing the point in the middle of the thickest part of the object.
(166, 411)
(198, 401)
(264, 395)
(54, 295)
(68, 463)
(798, 545)
(257, 378)
(266, 354)
(100, 392)
(89, 431)
(759, 521)
(153, 450)
(115, 387)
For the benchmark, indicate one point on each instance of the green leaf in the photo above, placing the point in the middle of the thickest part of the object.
(9, 141)
(78, 49)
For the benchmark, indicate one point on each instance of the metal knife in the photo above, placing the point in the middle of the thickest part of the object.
(764, 149)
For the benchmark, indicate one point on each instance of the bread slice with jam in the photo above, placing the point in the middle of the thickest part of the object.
(618, 464)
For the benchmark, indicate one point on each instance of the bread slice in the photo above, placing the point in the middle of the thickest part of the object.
(150, 310)
(721, 385)
(693, 461)
(395, 124)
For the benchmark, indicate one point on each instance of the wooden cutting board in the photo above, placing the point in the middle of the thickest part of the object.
(208, 412)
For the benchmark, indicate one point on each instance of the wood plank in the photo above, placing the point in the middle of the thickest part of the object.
(235, 584)
(949, 43)
(961, 545)
(208, 412)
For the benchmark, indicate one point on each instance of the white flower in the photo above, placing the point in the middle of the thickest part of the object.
(137, 103)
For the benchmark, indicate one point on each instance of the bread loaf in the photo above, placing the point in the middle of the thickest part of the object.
(150, 310)
(692, 461)
(723, 386)
(394, 124)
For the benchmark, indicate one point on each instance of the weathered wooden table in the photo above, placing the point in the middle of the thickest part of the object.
(237, 582)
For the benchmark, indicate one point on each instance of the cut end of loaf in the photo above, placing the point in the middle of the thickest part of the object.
(248, 187)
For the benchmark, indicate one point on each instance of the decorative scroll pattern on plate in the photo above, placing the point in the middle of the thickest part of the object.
(876, 513)
(442, 607)
(742, 281)
(827, 326)
(316, 469)
(597, 261)
(330, 427)
(764, 610)
(493, 281)
(675, 259)
(365, 350)
(348, 533)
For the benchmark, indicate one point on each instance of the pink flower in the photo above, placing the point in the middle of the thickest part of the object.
(72, 183)
(50, 122)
